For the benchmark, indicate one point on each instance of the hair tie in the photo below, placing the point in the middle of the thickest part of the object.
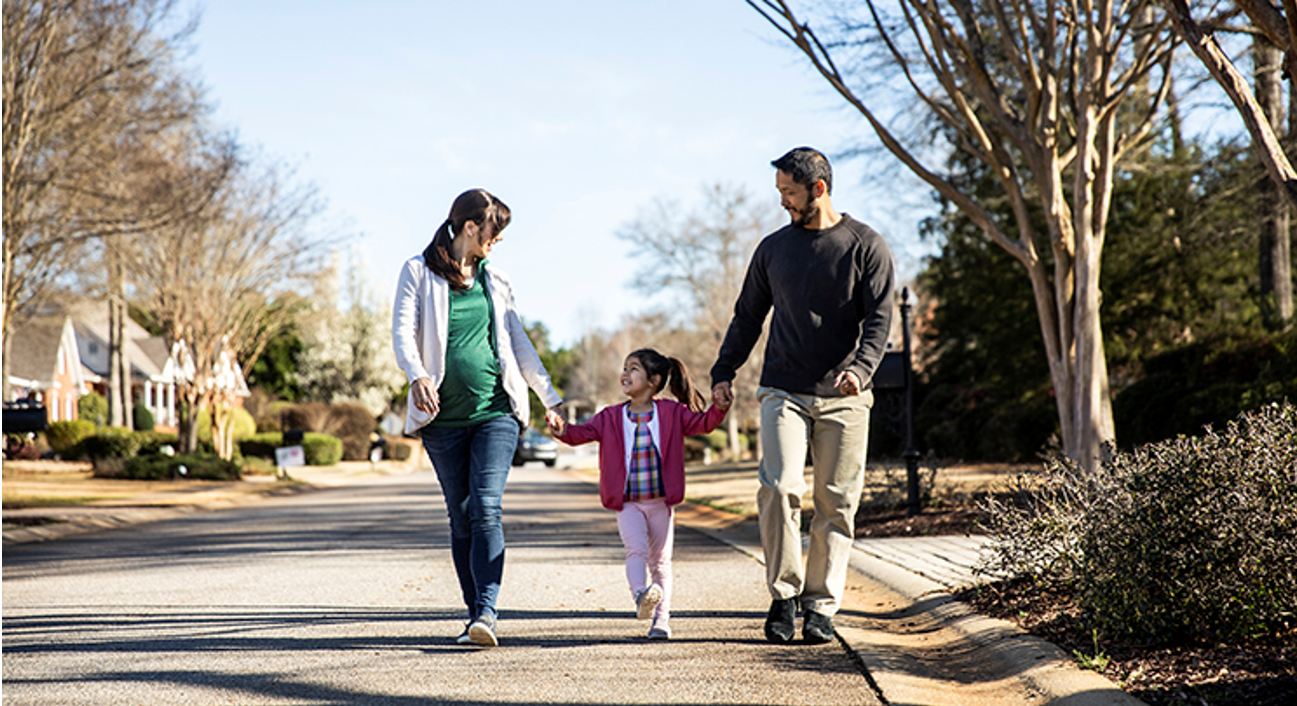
(450, 227)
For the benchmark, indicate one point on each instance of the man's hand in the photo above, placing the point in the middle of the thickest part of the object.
(424, 396)
(722, 396)
(847, 383)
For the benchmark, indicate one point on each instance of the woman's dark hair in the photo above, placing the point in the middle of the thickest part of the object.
(671, 372)
(806, 166)
(476, 205)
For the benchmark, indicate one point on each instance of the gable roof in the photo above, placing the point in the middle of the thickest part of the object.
(34, 348)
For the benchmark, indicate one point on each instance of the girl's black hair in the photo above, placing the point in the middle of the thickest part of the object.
(673, 373)
(476, 205)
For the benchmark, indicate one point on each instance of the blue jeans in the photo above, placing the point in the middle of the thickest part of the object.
(472, 465)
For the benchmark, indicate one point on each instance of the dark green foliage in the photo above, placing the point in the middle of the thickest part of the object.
(986, 393)
(321, 449)
(276, 368)
(1179, 265)
(196, 467)
(93, 408)
(65, 437)
(151, 442)
(112, 443)
(1185, 541)
(1206, 383)
(142, 417)
(398, 450)
(262, 445)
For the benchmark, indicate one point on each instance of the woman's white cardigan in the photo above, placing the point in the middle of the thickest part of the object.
(420, 319)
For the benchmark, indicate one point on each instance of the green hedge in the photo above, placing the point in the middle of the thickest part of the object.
(112, 442)
(319, 449)
(65, 438)
(195, 466)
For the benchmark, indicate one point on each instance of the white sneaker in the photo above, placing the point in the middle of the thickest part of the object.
(647, 600)
(464, 638)
(482, 631)
(661, 630)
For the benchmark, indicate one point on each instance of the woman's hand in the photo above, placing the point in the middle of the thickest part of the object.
(424, 396)
(555, 421)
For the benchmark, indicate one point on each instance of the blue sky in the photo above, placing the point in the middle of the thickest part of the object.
(576, 114)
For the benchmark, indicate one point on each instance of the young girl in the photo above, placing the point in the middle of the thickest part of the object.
(642, 470)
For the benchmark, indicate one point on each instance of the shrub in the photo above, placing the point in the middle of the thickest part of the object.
(142, 417)
(151, 442)
(321, 449)
(66, 437)
(261, 445)
(242, 428)
(352, 423)
(112, 442)
(196, 466)
(1192, 539)
(93, 408)
(399, 449)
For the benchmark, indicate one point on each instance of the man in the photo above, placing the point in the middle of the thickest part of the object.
(828, 278)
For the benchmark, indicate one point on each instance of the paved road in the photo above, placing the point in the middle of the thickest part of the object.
(346, 596)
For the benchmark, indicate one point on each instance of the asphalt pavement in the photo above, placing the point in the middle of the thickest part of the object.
(346, 595)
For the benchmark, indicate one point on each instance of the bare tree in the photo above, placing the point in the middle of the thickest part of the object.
(1032, 90)
(701, 256)
(220, 287)
(90, 87)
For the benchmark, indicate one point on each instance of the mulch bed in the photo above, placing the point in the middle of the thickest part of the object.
(926, 524)
(1263, 674)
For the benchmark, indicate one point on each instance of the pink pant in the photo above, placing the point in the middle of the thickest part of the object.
(648, 531)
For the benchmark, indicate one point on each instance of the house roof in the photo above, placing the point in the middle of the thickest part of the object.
(147, 354)
(33, 352)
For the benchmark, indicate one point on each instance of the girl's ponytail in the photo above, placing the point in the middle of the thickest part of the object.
(683, 387)
(672, 373)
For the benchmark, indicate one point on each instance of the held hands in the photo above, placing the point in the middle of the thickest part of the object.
(722, 397)
(424, 396)
(847, 383)
(555, 421)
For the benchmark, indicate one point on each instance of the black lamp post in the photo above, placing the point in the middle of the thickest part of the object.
(911, 454)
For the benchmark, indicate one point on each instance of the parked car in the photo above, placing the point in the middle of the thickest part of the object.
(535, 446)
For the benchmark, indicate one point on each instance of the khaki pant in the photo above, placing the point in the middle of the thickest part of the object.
(837, 431)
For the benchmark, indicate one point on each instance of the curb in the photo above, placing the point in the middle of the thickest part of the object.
(919, 645)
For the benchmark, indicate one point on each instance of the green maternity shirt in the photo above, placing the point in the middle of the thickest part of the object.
(473, 390)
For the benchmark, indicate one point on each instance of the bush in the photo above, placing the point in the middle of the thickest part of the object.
(1207, 382)
(65, 437)
(350, 422)
(112, 442)
(142, 417)
(321, 449)
(399, 449)
(1188, 540)
(93, 408)
(243, 426)
(151, 442)
(261, 445)
(197, 467)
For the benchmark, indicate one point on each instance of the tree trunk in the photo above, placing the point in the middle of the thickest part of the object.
(116, 408)
(1274, 248)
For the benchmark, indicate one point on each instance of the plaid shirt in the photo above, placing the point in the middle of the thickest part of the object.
(644, 477)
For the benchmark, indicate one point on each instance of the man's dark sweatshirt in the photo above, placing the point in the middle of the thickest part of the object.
(831, 291)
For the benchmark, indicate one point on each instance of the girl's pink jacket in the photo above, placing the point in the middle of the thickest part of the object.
(675, 422)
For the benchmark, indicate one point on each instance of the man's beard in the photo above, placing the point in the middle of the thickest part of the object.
(809, 214)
